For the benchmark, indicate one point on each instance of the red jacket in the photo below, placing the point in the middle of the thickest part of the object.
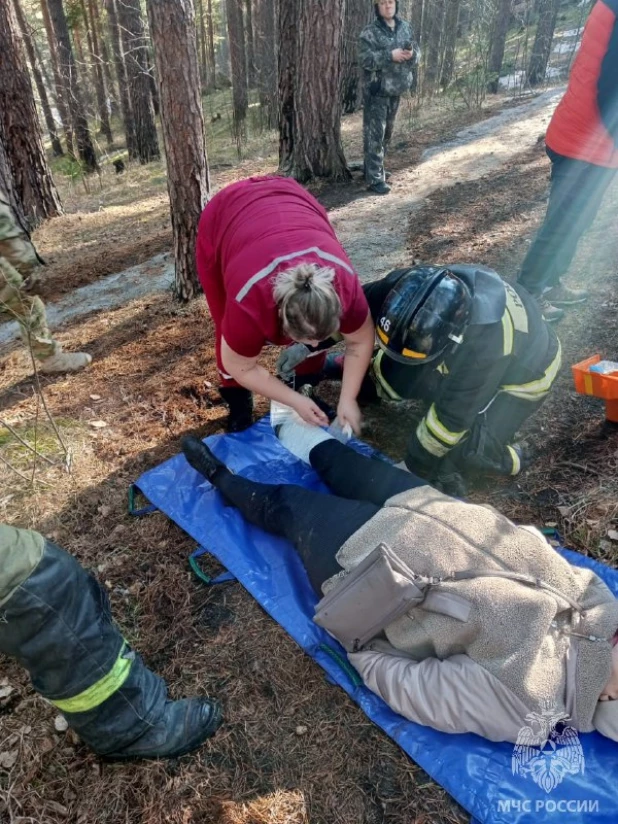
(585, 124)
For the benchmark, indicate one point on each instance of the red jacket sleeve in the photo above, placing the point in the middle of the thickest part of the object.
(355, 309)
(240, 331)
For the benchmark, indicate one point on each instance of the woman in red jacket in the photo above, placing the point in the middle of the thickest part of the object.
(582, 144)
(273, 272)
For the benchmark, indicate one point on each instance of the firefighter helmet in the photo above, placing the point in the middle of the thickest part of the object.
(424, 314)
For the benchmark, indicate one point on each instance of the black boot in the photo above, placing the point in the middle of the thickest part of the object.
(200, 457)
(58, 625)
(240, 402)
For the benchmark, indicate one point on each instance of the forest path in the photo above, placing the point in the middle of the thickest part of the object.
(373, 229)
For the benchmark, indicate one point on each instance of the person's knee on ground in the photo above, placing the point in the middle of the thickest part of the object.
(57, 624)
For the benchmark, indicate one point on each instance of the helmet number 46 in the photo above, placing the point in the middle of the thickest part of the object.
(385, 324)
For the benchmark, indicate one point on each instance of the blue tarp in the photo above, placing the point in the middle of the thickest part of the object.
(476, 772)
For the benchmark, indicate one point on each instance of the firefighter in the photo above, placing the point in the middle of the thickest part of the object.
(476, 349)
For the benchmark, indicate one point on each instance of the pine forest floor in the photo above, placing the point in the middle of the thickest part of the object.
(153, 380)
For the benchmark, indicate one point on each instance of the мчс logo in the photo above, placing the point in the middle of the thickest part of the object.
(547, 750)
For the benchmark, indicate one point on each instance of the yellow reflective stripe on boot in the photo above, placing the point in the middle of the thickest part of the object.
(535, 390)
(101, 690)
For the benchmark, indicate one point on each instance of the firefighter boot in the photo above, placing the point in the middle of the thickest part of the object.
(55, 620)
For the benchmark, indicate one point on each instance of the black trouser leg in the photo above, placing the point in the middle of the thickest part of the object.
(577, 189)
(487, 447)
(316, 523)
(358, 477)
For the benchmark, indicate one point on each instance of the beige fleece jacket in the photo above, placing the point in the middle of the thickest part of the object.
(521, 648)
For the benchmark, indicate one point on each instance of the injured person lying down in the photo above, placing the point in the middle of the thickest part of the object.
(459, 619)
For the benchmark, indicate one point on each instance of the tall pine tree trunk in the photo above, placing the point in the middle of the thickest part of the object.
(26, 34)
(500, 29)
(236, 30)
(451, 20)
(20, 132)
(433, 45)
(99, 80)
(266, 55)
(212, 66)
(59, 81)
(223, 46)
(121, 75)
(66, 65)
(105, 61)
(541, 50)
(310, 78)
(7, 188)
(358, 13)
(203, 48)
(172, 26)
(136, 61)
(250, 38)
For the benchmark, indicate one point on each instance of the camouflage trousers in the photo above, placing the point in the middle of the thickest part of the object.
(27, 310)
(378, 121)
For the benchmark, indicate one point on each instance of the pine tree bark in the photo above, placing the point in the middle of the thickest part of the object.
(20, 132)
(59, 84)
(121, 76)
(500, 29)
(433, 45)
(541, 49)
(250, 37)
(266, 57)
(451, 20)
(358, 13)
(236, 31)
(136, 60)
(203, 49)
(310, 37)
(68, 69)
(26, 34)
(7, 188)
(97, 71)
(172, 26)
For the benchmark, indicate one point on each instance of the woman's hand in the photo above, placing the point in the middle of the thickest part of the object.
(348, 412)
(309, 411)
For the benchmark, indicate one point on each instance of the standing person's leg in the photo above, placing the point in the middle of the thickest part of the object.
(238, 399)
(317, 524)
(392, 107)
(374, 128)
(29, 312)
(577, 189)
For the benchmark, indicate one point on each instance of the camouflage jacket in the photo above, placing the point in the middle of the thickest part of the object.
(382, 75)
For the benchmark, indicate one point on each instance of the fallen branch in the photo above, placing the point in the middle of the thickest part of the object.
(581, 467)
(21, 474)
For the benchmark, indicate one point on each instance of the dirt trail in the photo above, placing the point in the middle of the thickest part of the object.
(372, 228)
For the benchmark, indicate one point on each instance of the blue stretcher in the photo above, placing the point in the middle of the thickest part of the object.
(477, 773)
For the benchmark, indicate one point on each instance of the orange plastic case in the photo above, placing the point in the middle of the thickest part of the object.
(601, 386)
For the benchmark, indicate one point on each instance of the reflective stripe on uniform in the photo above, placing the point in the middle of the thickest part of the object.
(102, 689)
(428, 442)
(439, 431)
(314, 250)
(535, 390)
(385, 390)
(514, 319)
(516, 469)
(508, 332)
(434, 436)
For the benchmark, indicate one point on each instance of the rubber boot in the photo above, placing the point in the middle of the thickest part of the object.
(240, 403)
(57, 624)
